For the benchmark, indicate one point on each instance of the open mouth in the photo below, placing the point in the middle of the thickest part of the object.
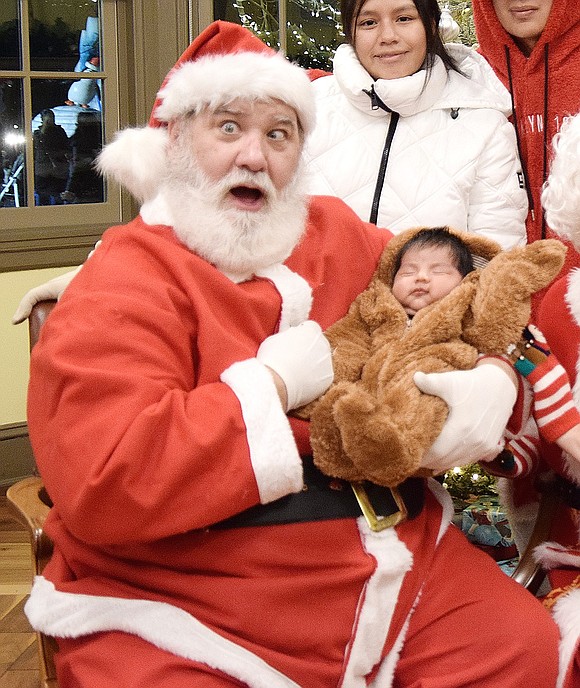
(248, 197)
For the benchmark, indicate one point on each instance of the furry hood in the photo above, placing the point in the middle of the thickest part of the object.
(482, 250)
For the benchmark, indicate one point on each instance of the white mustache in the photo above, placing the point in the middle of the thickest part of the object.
(258, 180)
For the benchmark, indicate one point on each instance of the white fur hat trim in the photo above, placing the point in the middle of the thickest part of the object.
(219, 79)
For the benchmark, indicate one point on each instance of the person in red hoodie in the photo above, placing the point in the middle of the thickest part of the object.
(532, 46)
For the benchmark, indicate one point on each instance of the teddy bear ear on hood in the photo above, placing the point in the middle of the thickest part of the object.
(482, 249)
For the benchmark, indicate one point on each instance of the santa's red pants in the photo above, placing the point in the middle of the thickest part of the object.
(473, 627)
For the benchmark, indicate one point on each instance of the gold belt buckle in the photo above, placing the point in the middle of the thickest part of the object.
(375, 521)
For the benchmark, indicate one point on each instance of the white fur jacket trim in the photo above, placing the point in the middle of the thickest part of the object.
(566, 613)
(278, 471)
(63, 614)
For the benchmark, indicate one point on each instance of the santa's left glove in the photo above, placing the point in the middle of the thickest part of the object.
(301, 356)
(480, 404)
(51, 290)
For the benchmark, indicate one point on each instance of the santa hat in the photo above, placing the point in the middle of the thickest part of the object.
(225, 62)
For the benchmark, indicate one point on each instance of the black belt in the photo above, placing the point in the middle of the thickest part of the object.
(323, 498)
(568, 492)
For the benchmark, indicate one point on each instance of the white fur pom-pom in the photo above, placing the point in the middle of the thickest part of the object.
(136, 159)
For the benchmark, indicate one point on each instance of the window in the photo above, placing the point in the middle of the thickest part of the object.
(59, 86)
(312, 33)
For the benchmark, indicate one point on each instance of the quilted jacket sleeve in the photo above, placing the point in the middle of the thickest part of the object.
(499, 189)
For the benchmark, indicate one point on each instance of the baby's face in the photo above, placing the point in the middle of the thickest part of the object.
(426, 275)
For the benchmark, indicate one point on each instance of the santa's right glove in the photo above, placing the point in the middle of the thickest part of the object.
(554, 408)
(301, 356)
(50, 290)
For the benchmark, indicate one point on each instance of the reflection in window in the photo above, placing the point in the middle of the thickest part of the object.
(63, 34)
(64, 115)
(84, 185)
(13, 189)
(51, 158)
(63, 165)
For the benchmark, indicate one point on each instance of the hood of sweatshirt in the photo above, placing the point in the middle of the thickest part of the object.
(493, 38)
(545, 89)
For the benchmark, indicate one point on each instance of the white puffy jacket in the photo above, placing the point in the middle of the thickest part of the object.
(453, 155)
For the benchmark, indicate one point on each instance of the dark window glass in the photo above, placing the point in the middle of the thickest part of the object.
(67, 137)
(13, 189)
(10, 53)
(64, 35)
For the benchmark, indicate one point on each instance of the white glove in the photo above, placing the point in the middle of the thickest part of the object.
(52, 289)
(480, 404)
(301, 356)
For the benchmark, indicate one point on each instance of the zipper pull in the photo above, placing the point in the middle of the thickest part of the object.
(374, 98)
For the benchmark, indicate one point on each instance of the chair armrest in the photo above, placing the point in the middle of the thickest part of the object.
(529, 573)
(30, 505)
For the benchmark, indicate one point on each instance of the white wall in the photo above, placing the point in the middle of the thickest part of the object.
(14, 359)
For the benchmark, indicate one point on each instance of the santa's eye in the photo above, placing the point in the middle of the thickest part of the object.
(229, 127)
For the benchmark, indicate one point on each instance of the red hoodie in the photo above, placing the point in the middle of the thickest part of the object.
(545, 89)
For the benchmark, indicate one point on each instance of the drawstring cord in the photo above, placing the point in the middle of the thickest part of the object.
(545, 132)
(546, 142)
(517, 128)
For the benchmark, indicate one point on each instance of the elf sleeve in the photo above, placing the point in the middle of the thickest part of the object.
(553, 406)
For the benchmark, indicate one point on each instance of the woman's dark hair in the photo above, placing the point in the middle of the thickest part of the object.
(429, 13)
(439, 236)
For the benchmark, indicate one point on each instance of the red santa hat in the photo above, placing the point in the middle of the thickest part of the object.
(225, 62)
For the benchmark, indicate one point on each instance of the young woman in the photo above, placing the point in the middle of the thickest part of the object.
(412, 132)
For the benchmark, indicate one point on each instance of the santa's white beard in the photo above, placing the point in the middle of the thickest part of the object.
(235, 241)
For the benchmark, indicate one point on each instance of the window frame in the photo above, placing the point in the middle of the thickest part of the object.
(141, 41)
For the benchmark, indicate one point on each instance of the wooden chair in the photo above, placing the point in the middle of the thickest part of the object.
(529, 573)
(30, 504)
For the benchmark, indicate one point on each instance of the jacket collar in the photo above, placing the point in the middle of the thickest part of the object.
(407, 95)
(411, 95)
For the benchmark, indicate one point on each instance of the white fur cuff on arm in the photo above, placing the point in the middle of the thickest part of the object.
(273, 451)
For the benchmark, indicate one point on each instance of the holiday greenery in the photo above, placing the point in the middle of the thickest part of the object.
(313, 28)
(467, 482)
